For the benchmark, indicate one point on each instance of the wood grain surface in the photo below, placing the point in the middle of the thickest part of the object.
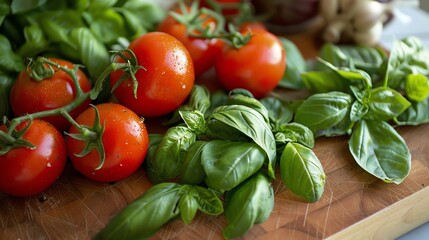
(355, 205)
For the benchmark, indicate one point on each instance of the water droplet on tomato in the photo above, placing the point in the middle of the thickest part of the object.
(48, 164)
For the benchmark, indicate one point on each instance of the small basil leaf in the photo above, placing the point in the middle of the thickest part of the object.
(188, 207)
(35, 41)
(199, 99)
(249, 203)
(358, 111)
(323, 81)
(295, 132)
(146, 215)
(295, 66)
(417, 113)
(10, 61)
(385, 104)
(302, 172)
(323, 110)
(150, 13)
(194, 120)
(235, 98)
(106, 25)
(208, 201)
(417, 87)
(192, 170)
(380, 150)
(248, 122)
(167, 162)
(279, 112)
(228, 164)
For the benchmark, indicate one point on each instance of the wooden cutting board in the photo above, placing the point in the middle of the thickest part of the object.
(355, 205)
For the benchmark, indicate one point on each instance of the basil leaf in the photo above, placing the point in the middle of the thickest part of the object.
(199, 99)
(147, 214)
(417, 113)
(323, 110)
(302, 172)
(380, 150)
(295, 132)
(192, 171)
(21, 6)
(4, 11)
(35, 41)
(106, 24)
(323, 81)
(279, 112)
(194, 120)
(208, 201)
(417, 87)
(93, 53)
(167, 162)
(6, 83)
(385, 104)
(238, 120)
(249, 203)
(10, 61)
(236, 98)
(228, 164)
(188, 207)
(295, 65)
(358, 111)
(150, 13)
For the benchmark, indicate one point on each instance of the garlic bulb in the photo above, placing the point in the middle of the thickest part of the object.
(359, 20)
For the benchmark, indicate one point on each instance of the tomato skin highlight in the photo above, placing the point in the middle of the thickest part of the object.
(125, 141)
(167, 80)
(203, 51)
(258, 66)
(29, 96)
(27, 172)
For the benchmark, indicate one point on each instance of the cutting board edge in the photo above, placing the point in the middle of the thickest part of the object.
(390, 222)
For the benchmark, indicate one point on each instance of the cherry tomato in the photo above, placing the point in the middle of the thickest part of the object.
(166, 81)
(25, 171)
(125, 140)
(258, 66)
(28, 95)
(203, 51)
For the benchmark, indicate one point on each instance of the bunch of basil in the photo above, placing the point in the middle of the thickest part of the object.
(222, 147)
(363, 92)
(81, 31)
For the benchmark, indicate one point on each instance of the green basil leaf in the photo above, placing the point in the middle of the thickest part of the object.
(323, 81)
(194, 120)
(10, 61)
(237, 98)
(295, 65)
(93, 53)
(323, 110)
(192, 171)
(35, 41)
(295, 132)
(6, 83)
(302, 172)
(154, 140)
(21, 6)
(217, 99)
(132, 24)
(227, 164)
(249, 203)
(416, 114)
(167, 162)
(358, 111)
(229, 120)
(199, 99)
(150, 13)
(4, 11)
(385, 104)
(107, 25)
(188, 207)
(279, 112)
(417, 87)
(100, 4)
(208, 201)
(147, 214)
(380, 150)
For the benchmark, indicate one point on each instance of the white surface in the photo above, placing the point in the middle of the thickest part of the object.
(409, 20)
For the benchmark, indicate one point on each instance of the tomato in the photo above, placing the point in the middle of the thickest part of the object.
(125, 140)
(27, 172)
(229, 7)
(166, 81)
(258, 66)
(28, 95)
(203, 51)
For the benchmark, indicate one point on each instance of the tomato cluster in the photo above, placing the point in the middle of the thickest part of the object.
(109, 141)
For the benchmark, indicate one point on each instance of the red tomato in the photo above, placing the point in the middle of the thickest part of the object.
(258, 66)
(25, 171)
(167, 80)
(29, 96)
(203, 51)
(125, 140)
